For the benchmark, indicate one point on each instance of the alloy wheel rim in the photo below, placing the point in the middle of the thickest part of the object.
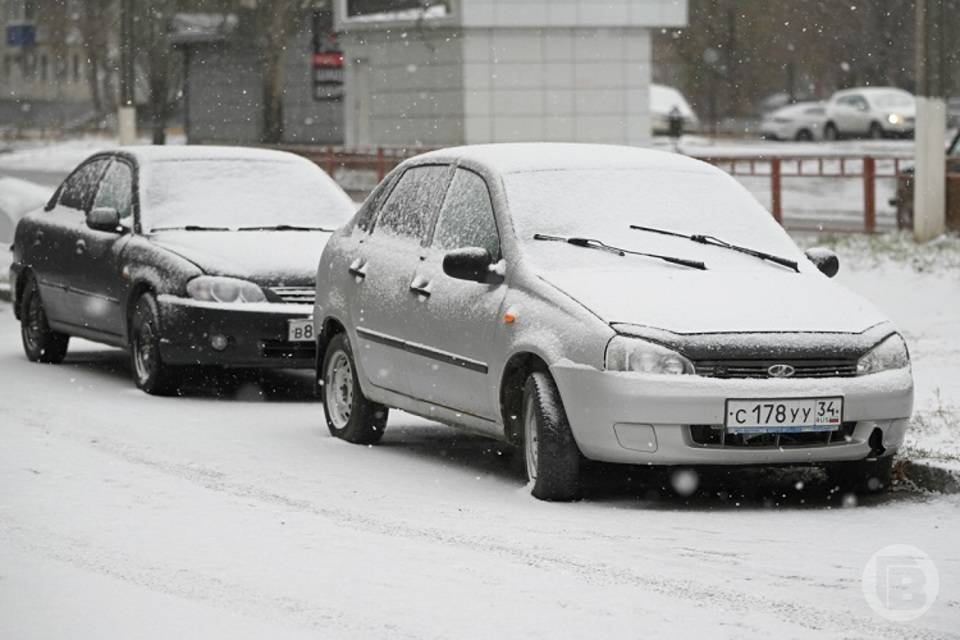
(530, 440)
(33, 327)
(144, 351)
(338, 388)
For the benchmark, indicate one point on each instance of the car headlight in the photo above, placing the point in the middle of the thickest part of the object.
(220, 289)
(889, 354)
(633, 354)
(894, 118)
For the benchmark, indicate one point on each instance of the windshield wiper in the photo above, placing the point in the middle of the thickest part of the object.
(285, 227)
(189, 227)
(717, 242)
(590, 243)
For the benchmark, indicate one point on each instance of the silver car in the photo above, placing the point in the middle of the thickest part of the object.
(603, 303)
(873, 112)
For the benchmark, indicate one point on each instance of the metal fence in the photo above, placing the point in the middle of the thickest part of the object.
(820, 206)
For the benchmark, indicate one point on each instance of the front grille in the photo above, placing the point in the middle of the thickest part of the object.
(296, 295)
(288, 350)
(760, 368)
(716, 436)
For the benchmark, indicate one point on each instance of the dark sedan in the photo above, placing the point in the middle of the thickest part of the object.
(184, 256)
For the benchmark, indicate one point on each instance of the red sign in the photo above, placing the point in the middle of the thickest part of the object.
(329, 59)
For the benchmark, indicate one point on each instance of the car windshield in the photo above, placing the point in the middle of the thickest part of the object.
(230, 194)
(603, 203)
(893, 100)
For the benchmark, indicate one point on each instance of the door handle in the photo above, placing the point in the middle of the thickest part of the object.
(421, 287)
(358, 268)
(81, 247)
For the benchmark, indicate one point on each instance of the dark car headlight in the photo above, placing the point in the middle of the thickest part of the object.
(641, 356)
(888, 355)
(221, 289)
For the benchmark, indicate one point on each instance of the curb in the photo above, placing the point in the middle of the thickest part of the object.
(931, 477)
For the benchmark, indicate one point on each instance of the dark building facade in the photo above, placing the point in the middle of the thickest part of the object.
(223, 81)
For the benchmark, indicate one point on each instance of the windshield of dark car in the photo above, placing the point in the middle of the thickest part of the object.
(240, 193)
(603, 203)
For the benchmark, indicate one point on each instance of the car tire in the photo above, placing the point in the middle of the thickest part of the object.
(40, 342)
(831, 133)
(549, 449)
(350, 415)
(804, 135)
(149, 371)
(861, 476)
(876, 131)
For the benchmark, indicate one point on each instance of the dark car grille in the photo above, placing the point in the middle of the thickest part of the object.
(716, 436)
(761, 368)
(296, 295)
(288, 350)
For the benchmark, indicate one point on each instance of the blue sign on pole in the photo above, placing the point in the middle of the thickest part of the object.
(19, 35)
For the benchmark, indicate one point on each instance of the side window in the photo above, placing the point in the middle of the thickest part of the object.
(466, 219)
(116, 189)
(372, 204)
(78, 188)
(413, 201)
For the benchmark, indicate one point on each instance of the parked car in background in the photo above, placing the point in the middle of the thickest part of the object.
(663, 100)
(871, 112)
(184, 256)
(803, 122)
(480, 287)
(904, 198)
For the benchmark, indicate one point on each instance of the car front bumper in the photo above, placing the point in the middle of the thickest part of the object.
(635, 419)
(256, 334)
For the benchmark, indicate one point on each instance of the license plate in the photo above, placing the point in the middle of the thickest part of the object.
(300, 330)
(789, 415)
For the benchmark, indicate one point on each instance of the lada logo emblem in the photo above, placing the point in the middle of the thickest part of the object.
(781, 371)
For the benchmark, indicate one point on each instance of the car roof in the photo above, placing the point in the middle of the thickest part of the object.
(871, 91)
(524, 157)
(145, 154)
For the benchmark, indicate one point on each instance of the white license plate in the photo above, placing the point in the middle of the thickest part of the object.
(792, 415)
(300, 330)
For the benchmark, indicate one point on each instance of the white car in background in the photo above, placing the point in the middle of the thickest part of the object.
(872, 112)
(802, 122)
(663, 100)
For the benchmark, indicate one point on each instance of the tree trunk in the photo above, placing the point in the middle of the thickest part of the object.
(275, 18)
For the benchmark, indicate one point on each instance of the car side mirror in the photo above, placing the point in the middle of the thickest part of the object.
(104, 219)
(468, 263)
(825, 260)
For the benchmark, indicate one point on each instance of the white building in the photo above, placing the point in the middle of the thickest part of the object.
(472, 71)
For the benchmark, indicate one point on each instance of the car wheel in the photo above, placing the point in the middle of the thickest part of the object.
(40, 342)
(551, 454)
(149, 371)
(876, 131)
(831, 132)
(804, 135)
(861, 476)
(350, 415)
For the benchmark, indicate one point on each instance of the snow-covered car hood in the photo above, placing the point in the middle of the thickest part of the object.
(686, 302)
(264, 257)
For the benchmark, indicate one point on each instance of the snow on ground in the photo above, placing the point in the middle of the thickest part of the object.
(919, 288)
(232, 513)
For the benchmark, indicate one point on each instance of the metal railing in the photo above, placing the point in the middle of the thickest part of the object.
(866, 169)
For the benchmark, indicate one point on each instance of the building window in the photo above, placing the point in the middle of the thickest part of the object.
(397, 9)
(44, 67)
(76, 68)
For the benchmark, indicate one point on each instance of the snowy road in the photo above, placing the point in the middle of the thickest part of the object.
(124, 515)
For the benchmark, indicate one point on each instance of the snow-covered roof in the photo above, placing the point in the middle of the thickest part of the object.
(548, 156)
(160, 153)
